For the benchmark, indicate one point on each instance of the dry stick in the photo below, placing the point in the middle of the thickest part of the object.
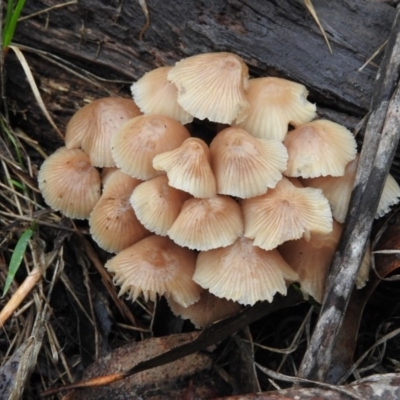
(380, 142)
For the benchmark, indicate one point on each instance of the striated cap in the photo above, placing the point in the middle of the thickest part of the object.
(157, 205)
(319, 148)
(156, 266)
(390, 196)
(243, 272)
(154, 94)
(274, 104)
(212, 86)
(69, 183)
(285, 213)
(113, 223)
(188, 168)
(338, 191)
(245, 166)
(206, 311)
(205, 224)
(141, 139)
(93, 126)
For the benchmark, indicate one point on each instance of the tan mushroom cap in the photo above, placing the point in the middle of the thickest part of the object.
(157, 205)
(205, 224)
(285, 213)
(113, 223)
(390, 196)
(69, 183)
(136, 144)
(93, 126)
(156, 266)
(212, 86)
(338, 191)
(319, 148)
(189, 168)
(312, 259)
(245, 166)
(155, 95)
(274, 104)
(206, 311)
(243, 272)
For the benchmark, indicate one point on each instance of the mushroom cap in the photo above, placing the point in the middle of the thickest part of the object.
(157, 205)
(390, 196)
(189, 168)
(206, 311)
(274, 104)
(338, 191)
(113, 223)
(243, 272)
(285, 213)
(212, 85)
(106, 173)
(205, 224)
(69, 183)
(139, 140)
(312, 259)
(155, 95)
(156, 265)
(319, 148)
(245, 166)
(93, 126)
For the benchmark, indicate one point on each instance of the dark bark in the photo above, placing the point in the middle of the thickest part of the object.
(274, 38)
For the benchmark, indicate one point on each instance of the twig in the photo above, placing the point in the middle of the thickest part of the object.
(381, 138)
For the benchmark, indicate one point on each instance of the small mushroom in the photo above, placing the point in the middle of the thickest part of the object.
(319, 148)
(311, 259)
(285, 213)
(338, 191)
(93, 126)
(206, 311)
(243, 272)
(155, 95)
(245, 166)
(113, 223)
(157, 205)
(212, 86)
(69, 183)
(205, 224)
(189, 168)
(156, 266)
(274, 104)
(139, 140)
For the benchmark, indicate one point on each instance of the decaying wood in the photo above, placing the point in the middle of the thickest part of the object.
(380, 142)
(275, 38)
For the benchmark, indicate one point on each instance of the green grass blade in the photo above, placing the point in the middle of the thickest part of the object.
(12, 24)
(16, 258)
(9, 12)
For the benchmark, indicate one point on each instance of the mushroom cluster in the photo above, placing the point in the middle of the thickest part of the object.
(209, 226)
